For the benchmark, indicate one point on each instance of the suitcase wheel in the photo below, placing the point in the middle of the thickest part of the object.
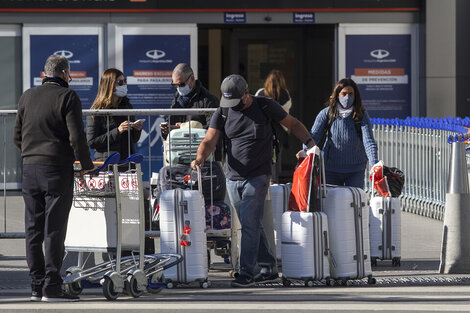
(396, 261)
(308, 283)
(205, 284)
(330, 282)
(170, 285)
(286, 282)
(371, 280)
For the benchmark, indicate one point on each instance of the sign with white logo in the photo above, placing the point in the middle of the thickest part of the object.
(235, 17)
(148, 55)
(81, 47)
(303, 17)
(378, 57)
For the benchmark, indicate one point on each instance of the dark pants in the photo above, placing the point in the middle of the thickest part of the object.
(47, 193)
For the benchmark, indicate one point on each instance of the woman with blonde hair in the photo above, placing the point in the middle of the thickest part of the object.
(123, 132)
(275, 88)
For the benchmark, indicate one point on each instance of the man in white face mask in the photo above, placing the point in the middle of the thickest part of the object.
(190, 93)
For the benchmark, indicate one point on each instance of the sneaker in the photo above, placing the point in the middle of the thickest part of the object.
(266, 277)
(36, 295)
(60, 297)
(243, 281)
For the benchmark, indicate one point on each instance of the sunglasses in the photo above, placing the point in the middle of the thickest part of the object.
(121, 82)
(181, 84)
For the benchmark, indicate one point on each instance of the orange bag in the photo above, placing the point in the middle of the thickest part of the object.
(298, 198)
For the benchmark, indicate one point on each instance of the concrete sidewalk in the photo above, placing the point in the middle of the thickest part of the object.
(413, 287)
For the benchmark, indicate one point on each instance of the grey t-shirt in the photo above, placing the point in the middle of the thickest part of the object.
(248, 137)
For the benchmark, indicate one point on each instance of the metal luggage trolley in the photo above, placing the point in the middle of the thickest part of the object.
(107, 215)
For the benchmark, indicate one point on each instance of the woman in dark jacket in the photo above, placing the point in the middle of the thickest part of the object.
(112, 93)
(106, 139)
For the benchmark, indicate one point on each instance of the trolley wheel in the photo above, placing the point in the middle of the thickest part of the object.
(204, 284)
(330, 282)
(170, 285)
(286, 282)
(73, 288)
(108, 289)
(131, 287)
(371, 280)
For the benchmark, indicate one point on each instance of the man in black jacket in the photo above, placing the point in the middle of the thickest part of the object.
(49, 132)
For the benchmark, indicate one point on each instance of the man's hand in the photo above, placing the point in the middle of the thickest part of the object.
(84, 172)
(196, 162)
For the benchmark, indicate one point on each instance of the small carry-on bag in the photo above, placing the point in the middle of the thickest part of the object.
(182, 231)
(280, 204)
(348, 220)
(181, 145)
(305, 243)
(385, 230)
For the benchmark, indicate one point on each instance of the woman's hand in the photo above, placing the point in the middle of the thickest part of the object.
(124, 127)
(137, 125)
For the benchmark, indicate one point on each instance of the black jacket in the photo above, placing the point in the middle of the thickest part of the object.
(97, 134)
(49, 126)
(200, 98)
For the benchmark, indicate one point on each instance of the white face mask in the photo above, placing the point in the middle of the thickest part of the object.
(183, 91)
(121, 91)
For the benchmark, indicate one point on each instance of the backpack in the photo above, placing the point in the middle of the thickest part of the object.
(265, 108)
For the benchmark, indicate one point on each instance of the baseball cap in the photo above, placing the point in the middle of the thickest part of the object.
(233, 87)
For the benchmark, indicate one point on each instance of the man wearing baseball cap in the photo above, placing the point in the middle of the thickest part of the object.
(244, 121)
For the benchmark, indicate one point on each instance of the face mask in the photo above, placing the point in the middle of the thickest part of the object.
(346, 101)
(239, 106)
(183, 91)
(121, 91)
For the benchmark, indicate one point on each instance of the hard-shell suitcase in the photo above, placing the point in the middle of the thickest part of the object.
(385, 229)
(280, 203)
(182, 231)
(305, 247)
(348, 222)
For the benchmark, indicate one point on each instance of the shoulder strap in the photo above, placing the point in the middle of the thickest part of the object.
(357, 126)
(326, 133)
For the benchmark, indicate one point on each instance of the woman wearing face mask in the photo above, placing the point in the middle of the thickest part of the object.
(112, 93)
(344, 132)
(124, 131)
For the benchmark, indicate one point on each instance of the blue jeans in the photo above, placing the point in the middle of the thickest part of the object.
(355, 179)
(247, 197)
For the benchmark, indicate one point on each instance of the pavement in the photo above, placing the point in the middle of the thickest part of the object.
(415, 286)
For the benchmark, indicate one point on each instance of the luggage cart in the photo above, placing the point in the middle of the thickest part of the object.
(107, 215)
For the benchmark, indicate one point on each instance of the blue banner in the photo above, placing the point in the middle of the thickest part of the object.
(82, 53)
(148, 62)
(381, 66)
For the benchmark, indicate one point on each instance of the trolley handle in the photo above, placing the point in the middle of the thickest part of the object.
(110, 160)
(133, 158)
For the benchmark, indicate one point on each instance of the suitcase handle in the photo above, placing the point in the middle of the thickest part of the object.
(325, 238)
(199, 179)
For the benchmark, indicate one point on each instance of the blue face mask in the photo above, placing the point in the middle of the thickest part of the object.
(346, 101)
(239, 106)
(183, 91)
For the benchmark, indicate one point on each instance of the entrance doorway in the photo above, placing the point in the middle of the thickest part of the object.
(305, 54)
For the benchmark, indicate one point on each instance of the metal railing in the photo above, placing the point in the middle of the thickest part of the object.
(151, 134)
(419, 147)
